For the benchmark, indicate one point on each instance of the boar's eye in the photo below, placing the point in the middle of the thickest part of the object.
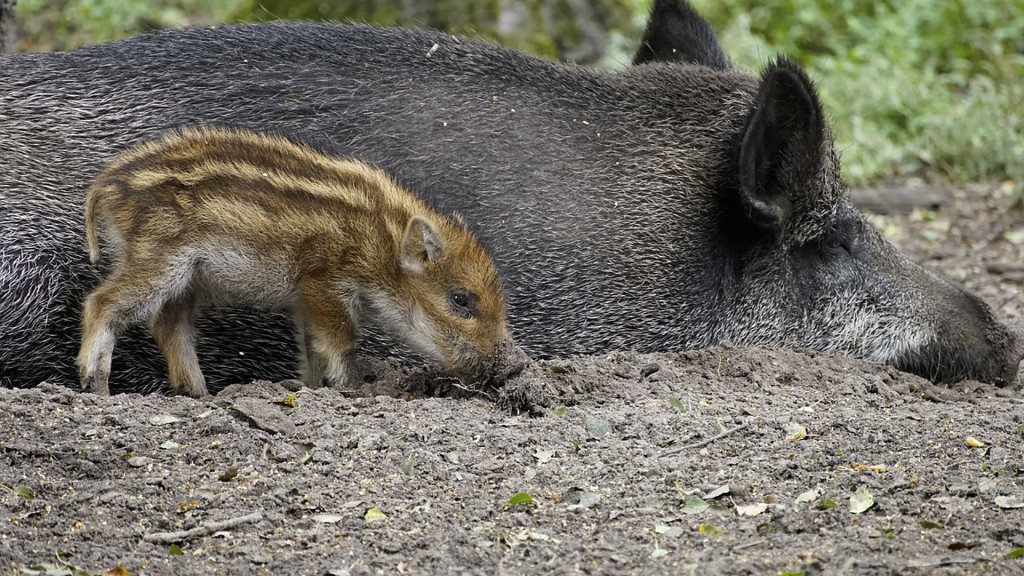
(463, 302)
(837, 246)
(838, 242)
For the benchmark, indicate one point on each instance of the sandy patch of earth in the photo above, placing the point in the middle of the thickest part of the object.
(726, 460)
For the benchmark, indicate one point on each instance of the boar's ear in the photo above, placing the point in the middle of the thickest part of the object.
(421, 244)
(677, 33)
(781, 150)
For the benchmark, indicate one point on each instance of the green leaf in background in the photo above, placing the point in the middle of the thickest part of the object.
(374, 514)
(676, 403)
(826, 504)
(519, 499)
(695, 505)
(710, 531)
(910, 85)
(596, 426)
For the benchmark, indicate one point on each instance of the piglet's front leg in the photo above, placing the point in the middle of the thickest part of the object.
(329, 336)
(173, 328)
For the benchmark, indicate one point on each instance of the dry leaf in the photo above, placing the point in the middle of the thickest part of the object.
(861, 500)
(334, 518)
(808, 496)
(751, 509)
(795, 431)
(974, 442)
(720, 491)
(163, 420)
(1008, 502)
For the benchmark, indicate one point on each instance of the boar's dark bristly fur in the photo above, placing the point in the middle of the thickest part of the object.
(670, 206)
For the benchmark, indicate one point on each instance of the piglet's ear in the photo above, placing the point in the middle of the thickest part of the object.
(782, 148)
(421, 244)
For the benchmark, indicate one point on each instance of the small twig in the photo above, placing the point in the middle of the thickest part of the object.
(707, 441)
(201, 530)
(749, 545)
(457, 384)
(943, 562)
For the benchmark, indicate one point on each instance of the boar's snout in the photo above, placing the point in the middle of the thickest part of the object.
(1001, 347)
(962, 338)
(1015, 356)
(973, 343)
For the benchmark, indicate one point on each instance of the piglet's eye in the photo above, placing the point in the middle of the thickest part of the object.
(463, 302)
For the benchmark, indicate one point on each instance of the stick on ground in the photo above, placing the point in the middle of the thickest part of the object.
(707, 441)
(201, 530)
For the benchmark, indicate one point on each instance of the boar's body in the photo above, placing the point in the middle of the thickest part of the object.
(612, 203)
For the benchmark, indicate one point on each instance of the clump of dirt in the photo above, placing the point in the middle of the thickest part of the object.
(730, 460)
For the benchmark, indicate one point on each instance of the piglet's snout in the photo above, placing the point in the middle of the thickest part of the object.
(503, 363)
(510, 360)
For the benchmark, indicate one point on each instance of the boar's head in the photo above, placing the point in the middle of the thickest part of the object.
(812, 263)
(807, 268)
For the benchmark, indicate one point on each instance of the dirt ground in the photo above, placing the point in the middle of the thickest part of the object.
(720, 461)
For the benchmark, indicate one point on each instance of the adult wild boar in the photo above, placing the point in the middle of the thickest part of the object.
(669, 206)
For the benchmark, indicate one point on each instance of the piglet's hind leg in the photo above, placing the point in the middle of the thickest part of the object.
(139, 287)
(99, 332)
(107, 311)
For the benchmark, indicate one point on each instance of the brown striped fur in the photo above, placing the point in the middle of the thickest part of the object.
(211, 215)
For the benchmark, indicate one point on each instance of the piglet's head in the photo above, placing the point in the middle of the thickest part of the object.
(458, 309)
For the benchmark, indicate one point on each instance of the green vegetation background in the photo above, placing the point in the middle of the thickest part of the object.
(913, 87)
